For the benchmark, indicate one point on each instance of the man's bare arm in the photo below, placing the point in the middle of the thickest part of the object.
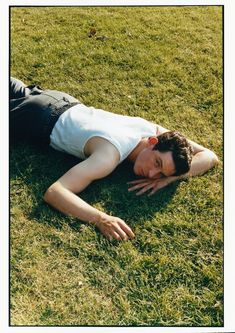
(203, 160)
(62, 194)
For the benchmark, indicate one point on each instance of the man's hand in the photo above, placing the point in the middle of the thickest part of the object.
(146, 184)
(114, 228)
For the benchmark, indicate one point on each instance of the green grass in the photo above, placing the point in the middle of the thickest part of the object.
(160, 63)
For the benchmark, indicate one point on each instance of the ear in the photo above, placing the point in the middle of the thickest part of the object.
(153, 140)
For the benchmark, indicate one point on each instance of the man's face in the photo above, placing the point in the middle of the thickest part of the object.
(154, 164)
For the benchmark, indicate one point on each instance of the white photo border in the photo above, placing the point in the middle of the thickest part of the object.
(229, 224)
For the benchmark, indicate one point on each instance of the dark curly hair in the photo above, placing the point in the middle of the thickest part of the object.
(182, 151)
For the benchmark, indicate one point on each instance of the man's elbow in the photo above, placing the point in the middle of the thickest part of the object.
(49, 194)
(214, 160)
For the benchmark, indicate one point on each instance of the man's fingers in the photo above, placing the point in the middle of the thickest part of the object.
(115, 228)
(126, 228)
(157, 187)
(138, 186)
(114, 235)
(153, 191)
(138, 181)
(121, 233)
(145, 189)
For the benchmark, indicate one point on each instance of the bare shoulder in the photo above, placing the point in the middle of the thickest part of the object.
(99, 145)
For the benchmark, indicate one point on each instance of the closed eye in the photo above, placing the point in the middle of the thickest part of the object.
(158, 163)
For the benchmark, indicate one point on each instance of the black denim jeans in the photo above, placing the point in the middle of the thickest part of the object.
(34, 111)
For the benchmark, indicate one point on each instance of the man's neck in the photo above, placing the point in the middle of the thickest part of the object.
(135, 152)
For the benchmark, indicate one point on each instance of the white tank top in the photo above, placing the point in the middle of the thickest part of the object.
(80, 123)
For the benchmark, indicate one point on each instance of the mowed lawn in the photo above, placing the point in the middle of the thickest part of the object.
(160, 63)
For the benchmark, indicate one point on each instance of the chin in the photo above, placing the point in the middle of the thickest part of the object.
(135, 170)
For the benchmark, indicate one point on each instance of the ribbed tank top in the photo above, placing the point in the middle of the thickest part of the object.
(80, 123)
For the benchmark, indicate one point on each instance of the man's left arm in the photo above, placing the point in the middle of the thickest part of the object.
(203, 160)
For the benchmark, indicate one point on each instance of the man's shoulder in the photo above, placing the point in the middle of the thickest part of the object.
(100, 146)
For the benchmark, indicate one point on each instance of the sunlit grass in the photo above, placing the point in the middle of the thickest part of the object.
(160, 63)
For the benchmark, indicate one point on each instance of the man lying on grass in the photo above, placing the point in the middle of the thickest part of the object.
(103, 140)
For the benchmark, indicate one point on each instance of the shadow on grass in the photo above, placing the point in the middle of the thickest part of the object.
(38, 167)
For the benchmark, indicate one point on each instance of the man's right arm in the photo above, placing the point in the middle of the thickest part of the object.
(62, 195)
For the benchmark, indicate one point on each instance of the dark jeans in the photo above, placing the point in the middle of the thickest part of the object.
(34, 111)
